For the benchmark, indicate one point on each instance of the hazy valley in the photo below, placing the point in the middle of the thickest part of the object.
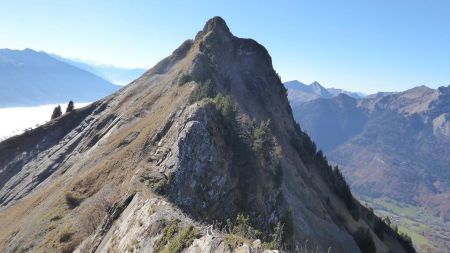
(393, 150)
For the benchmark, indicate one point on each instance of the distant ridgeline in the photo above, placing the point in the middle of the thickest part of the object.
(389, 145)
(35, 78)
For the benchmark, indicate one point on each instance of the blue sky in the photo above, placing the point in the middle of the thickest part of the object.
(360, 45)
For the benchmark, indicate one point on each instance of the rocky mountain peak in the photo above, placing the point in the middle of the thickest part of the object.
(316, 84)
(216, 24)
(205, 136)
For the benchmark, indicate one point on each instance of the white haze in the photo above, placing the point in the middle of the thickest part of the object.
(16, 120)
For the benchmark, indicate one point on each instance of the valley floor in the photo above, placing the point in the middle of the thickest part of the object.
(428, 232)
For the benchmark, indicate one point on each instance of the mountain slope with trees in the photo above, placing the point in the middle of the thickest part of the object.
(199, 154)
(390, 145)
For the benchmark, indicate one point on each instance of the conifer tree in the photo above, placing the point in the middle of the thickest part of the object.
(56, 112)
(70, 106)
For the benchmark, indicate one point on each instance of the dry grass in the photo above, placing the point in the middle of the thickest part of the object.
(49, 207)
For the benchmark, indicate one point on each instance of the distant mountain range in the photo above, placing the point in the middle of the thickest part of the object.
(299, 92)
(31, 78)
(392, 145)
(116, 75)
(28, 78)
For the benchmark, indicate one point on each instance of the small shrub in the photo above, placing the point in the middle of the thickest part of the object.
(233, 241)
(225, 107)
(70, 247)
(203, 90)
(184, 239)
(73, 199)
(56, 217)
(66, 235)
(263, 143)
(185, 78)
(167, 234)
(242, 227)
(276, 238)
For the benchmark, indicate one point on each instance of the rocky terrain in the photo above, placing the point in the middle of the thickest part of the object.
(391, 145)
(199, 154)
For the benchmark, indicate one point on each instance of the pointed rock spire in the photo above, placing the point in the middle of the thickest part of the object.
(216, 24)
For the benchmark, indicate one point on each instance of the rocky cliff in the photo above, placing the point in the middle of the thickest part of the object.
(200, 154)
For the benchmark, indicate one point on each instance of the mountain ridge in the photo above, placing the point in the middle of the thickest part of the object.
(114, 74)
(389, 146)
(205, 135)
(299, 92)
(30, 78)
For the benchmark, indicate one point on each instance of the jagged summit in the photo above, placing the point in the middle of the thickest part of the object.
(216, 24)
(205, 136)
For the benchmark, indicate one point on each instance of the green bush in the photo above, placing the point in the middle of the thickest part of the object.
(183, 239)
(263, 143)
(174, 240)
(233, 241)
(242, 227)
(227, 109)
(276, 238)
(185, 78)
(203, 90)
(167, 235)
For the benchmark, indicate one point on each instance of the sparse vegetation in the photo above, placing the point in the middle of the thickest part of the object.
(184, 239)
(306, 149)
(276, 238)
(227, 109)
(174, 240)
(167, 234)
(73, 199)
(263, 143)
(203, 90)
(240, 230)
(184, 78)
(97, 210)
(243, 227)
(233, 241)
(65, 236)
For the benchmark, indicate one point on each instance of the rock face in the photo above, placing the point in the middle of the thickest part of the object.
(200, 154)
